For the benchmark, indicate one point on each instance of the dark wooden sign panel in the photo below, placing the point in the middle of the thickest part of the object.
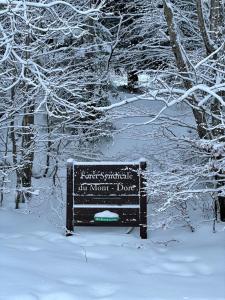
(104, 180)
(118, 188)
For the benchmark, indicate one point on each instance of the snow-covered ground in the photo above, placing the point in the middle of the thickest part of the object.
(37, 262)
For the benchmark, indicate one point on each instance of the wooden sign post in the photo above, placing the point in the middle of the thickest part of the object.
(106, 194)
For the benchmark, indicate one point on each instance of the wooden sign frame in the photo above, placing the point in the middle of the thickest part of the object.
(95, 187)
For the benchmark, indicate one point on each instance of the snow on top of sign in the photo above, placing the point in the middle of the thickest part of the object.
(97, 163)
(141, 159)
(70, 160)
(106, 214)
(106, 206)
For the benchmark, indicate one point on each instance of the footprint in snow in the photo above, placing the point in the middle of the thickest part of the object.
(198, 268)
(26, 248)
(153, 269)
(203, 269)
(179, 269)
(49, 236)
(10, 236)
(167, 268)
(76, 239)
(72, 281)
(103, 290)
(94, 255)
(41, 233)
(182, 258)
(21, 297)
(58, 296)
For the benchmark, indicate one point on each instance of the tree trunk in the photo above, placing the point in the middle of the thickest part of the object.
(4, 167)
(202, 26)
(49, 144)
(183, 68)
(217, 34)
(27, 148)
(19, 196)
(132, 80)
(28, 134)
(216, 20)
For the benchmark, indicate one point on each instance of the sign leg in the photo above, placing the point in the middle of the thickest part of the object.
(69, 202)
(143, 232)
(143, 202)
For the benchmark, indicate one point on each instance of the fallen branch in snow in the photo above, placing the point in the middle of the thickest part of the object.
(165, 243)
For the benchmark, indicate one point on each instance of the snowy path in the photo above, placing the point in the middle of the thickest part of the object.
(138, 133)
(39, 263)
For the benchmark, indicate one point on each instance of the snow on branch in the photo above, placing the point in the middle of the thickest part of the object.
(209, 56)
(158, 95)
(17, 4)
(202, 87)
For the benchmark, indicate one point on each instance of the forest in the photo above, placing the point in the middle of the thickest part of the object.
(117, 81)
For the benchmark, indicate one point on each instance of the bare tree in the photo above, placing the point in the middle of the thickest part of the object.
(51, 54)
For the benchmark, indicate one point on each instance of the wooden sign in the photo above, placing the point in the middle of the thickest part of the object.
(106, 194)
